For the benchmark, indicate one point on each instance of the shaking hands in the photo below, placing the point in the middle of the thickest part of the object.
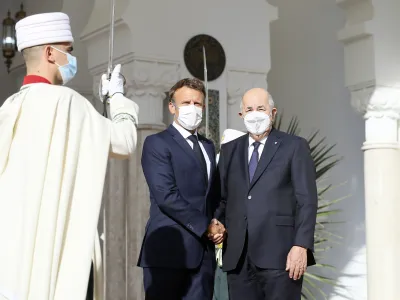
(216, 232)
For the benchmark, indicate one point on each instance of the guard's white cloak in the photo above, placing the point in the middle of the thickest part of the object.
(53, 154)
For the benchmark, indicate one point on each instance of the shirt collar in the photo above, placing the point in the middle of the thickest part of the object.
(251, 140)
(183, 131)
(29, 79)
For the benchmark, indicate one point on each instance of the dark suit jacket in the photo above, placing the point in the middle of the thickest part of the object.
(181, 203)
(277, 209)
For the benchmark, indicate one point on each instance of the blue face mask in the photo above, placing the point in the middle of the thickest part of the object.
(69, 70)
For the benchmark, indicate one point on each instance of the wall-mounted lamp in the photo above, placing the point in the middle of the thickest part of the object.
(21, 14)
(9, 39)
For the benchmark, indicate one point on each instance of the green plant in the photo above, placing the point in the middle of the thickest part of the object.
(324, 161)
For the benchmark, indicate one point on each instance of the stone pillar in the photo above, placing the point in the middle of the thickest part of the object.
(126, 195)
(126, 202)
(381, 108)
(370, 39)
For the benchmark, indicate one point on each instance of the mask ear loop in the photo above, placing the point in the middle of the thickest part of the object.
(62, 53)
(59, 50)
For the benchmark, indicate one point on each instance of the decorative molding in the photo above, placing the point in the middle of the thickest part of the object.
(144, 75)
(151, 73)
(101, 68)
(127, 58)
(272, 11)
(357, 11)
(361, 95)
(147, 80)
(357, 38)
(100, 15)
(151, 127)
(241, 80)
(380, 145)
(96, 38)
(345, 4)
(376, 101)
(354, 33)
(103, 30)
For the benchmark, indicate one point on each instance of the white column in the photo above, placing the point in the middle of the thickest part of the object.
(372, 61)
(126, 196)
(381, 107)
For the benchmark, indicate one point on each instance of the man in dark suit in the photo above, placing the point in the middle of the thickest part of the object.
(179, 165)
(269, 206)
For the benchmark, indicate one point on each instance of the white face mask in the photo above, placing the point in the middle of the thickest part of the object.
(67, 71)
(190, 116)
(257, 122)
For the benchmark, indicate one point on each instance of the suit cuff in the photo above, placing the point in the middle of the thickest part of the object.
(304, 244)
(199, 227)
(220, 217)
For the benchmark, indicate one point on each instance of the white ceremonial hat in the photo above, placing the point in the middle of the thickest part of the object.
(42, 29)
(230, 135)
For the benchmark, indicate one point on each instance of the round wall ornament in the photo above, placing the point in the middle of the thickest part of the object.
(215, 57)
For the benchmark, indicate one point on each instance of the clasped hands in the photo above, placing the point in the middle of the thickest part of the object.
(296, 264)
(216, 232)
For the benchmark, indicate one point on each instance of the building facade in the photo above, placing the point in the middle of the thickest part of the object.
(333, 64)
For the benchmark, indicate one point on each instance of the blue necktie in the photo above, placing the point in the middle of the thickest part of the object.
(253, 160)
(199, 155)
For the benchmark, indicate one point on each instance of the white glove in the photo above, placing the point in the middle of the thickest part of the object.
(114, 85)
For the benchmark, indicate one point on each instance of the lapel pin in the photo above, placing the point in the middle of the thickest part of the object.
(276, 143)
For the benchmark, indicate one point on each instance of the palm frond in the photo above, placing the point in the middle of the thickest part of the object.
(324, 160)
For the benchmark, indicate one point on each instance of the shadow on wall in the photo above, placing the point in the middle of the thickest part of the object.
(8, 85)
(307, 80)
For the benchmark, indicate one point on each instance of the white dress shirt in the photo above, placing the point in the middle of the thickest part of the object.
(186, 135)
(260, 148)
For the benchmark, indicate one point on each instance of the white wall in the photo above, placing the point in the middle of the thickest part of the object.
(162, 28)
(170, 24)
(307, 80)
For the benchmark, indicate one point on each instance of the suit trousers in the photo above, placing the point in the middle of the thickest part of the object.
(250, 282)
(181, 284)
